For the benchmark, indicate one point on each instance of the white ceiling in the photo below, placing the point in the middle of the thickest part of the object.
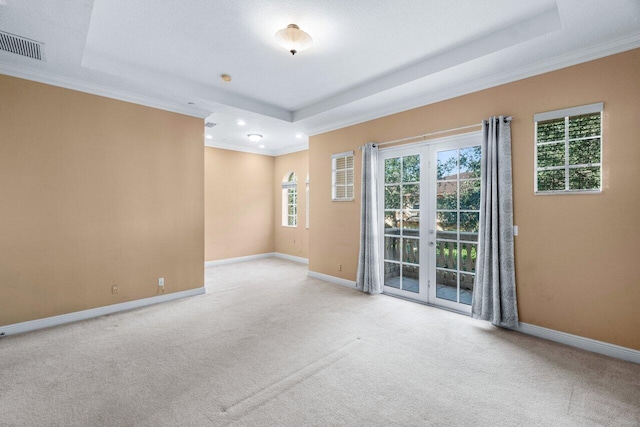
(368, 59)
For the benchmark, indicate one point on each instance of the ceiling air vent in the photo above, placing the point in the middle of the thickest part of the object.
(209, 124)
(21, 46)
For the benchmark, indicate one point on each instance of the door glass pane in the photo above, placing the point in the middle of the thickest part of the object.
(470, 162)
(392, 275)
(468, 255)
(392, 197)
(392, 170)
(392, 222)
(411, 196)
(392, 248)
(469, 225)
(446, 254)
(466, 288)
(411, 278)
(411, 169)
(411, 251)
(447, 165)
(447, 285)
(411, 223)
(470, 194)
(447, 225)
(447, 196)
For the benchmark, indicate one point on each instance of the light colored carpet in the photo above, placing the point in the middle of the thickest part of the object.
(269, 346)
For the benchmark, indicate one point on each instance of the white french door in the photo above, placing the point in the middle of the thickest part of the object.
(429, 205)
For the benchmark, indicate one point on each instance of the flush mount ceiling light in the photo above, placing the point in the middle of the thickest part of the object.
(254, 137)
(241, 122)
(294, 39)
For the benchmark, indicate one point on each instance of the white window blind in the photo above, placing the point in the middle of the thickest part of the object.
(342, 176)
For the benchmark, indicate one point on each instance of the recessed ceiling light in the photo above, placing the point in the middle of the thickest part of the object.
(241, 123)
(298, 135)
(255, 137)
(225, 77)
(208, 137)
(261, 146)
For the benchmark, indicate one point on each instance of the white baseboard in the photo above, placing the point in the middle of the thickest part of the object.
(583, 343)
(254, 257)
(238, 259)
(291, 258)
(47, 322)
(332, 279)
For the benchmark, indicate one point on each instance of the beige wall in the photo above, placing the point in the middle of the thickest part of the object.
(292, 240)
(239, 201)
(576, 255)
(95, 192)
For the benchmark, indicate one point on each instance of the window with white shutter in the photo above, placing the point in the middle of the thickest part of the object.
(342, 177)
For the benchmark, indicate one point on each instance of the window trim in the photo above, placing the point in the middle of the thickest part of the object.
(565, 114)
(334, 185)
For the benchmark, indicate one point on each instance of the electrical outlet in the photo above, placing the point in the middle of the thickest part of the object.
(114, 289)
(161, 283)
(339, 267)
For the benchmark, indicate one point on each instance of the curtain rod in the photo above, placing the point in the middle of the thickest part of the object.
(507, 119)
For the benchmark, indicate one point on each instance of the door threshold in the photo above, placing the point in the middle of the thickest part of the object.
(427, 304)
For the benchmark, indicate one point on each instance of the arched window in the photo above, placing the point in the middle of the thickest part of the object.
(290, 200)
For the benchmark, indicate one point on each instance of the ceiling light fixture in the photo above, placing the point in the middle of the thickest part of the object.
(261, 146)
(241, 122)
(209, 137)
(254, 137)
(294, 39)
(225, 77)
(298, 135)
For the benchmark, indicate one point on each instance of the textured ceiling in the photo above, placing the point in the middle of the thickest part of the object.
(368, 59)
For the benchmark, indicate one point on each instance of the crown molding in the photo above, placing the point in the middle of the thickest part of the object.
(525, 30)
(563, 61)
(233, 147)
(79, 85)
(595, 52)
(261, 151)
(292, 149)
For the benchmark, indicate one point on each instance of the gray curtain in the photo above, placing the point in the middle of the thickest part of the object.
(368, 277)
(494, 292)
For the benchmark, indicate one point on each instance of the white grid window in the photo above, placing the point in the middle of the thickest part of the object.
(290, 200)
(568, 153)
(342, 176)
